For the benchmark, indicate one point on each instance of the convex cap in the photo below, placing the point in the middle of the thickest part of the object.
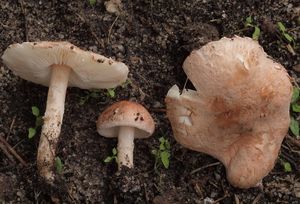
(33, 60)
(125, 113)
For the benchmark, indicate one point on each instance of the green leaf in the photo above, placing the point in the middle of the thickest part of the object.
(35, 111)
(249, 21)
(111, 92)
(296, 107)
(287, 167)
(294, 126)
(162, 140)
(288, 37)
(108, 159)
(31, 132)
(165, 158)
(256, 33)
(281, 27)
(92, 2)
(295, 96)
(114, 151)
(59, 165)
(83, 100)
(95, 94)
(167, 145)
(38, 121)
(127, 82)
(162, 147)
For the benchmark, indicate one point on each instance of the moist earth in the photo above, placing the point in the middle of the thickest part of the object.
(153, 38)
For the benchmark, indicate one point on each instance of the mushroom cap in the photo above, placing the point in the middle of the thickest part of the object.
(33, 60)
(125, 113)
(239, 112)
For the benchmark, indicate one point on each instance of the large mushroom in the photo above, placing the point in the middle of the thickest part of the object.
(125, 120)
(59, 65)
(239, 112)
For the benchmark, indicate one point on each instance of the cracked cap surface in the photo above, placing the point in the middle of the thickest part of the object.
(239, 112)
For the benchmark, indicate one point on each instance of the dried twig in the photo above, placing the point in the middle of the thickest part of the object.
(11, 127)
(286, 157)
(236, 199)
(159, 110)
(220, 199)
(204, 167)
(110, 29)
(257, 198)
(12, 151)
(90, 29)
(293, 140)
(3, 25)
(5, 151)
(25, 19)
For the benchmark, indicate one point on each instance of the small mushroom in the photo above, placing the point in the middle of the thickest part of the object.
(59, 65)
(125, 120)
(239, 112)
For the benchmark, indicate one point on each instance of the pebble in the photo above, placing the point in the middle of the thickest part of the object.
(93, 48)
(19, 194)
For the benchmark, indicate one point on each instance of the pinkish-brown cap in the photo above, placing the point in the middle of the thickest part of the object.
(239, 112)
(125, 113)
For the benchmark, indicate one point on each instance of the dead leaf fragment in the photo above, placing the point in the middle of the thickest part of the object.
(297, 68)
(297, 189)
(113, 6)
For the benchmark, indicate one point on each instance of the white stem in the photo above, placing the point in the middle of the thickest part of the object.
(125, 146)
(52, 121)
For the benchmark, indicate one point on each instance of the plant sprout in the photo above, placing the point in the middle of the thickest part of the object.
(162, 154)
(38, 122)
(249, 23)
(113, 157)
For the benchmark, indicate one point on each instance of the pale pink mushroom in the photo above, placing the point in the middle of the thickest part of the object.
(239, 112)
(125, 120)
(59, 65)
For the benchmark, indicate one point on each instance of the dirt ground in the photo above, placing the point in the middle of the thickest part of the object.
(152, 38)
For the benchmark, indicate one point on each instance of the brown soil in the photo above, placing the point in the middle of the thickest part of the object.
(152, 38)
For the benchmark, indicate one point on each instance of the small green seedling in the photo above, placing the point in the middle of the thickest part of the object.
(38, 122)
(92, 2)
(162, 154)
(249, 23)
(295, 107)
(126, 83)
(59, 165)
(113, 157)
(286, 166)
(90, 94)
(96, 94)
(287, 37)
(111, 93)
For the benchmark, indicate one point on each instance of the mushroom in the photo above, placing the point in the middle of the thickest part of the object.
(126, 120)
(59, 65)
(239, 112)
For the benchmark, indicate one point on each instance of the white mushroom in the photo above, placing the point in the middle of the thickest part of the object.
(125, 120)
(59, 65)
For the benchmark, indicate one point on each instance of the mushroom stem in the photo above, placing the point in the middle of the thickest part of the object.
(125, 146)
(52, 121)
